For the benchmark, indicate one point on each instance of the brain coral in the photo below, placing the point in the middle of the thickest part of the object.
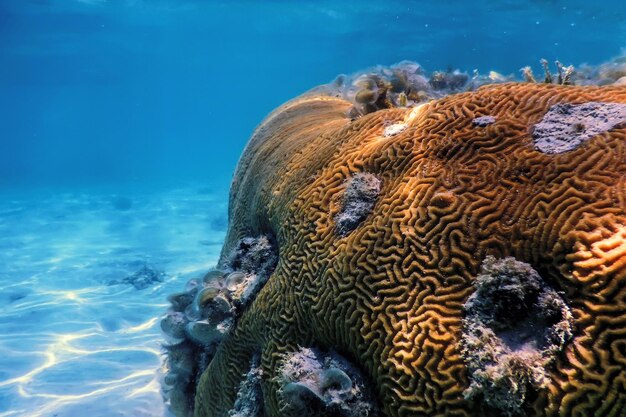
(390, 294)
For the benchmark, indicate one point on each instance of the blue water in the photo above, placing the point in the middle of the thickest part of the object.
(121, 122)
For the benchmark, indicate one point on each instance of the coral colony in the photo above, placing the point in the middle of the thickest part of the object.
(404, 243)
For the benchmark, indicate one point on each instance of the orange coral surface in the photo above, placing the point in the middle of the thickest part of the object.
(389, 294)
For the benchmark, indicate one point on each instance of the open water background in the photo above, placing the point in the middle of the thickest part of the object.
(121, 122)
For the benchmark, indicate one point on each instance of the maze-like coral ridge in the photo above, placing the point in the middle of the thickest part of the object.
(389, 295)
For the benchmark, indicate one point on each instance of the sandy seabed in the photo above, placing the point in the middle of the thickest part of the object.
(76, 337)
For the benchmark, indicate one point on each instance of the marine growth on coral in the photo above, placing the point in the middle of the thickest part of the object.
(200, 317)
(312, 383)
(515, 324)
(566, 126)
(401, 246)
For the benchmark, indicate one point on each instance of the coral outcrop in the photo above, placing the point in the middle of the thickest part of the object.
(515, 325)
(475, 275)
(316, 384)
(200, 317)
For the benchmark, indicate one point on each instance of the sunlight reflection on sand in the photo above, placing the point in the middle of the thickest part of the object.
(70, 344)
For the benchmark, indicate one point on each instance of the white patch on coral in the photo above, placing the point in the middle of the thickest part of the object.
(394, 129)
(411, 116)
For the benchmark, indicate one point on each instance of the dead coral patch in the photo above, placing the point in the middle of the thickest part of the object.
(515, 325)
(317, 384)
(566, 126)
(483, 121)
(358, 201)
(250, 263)
(256, 255)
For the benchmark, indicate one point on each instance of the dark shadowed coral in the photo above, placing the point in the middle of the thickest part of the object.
(515, 324)
(206, 312)
(313, 384)
(372, 93)
(358, 200)
(566, 126)
(198, 320)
